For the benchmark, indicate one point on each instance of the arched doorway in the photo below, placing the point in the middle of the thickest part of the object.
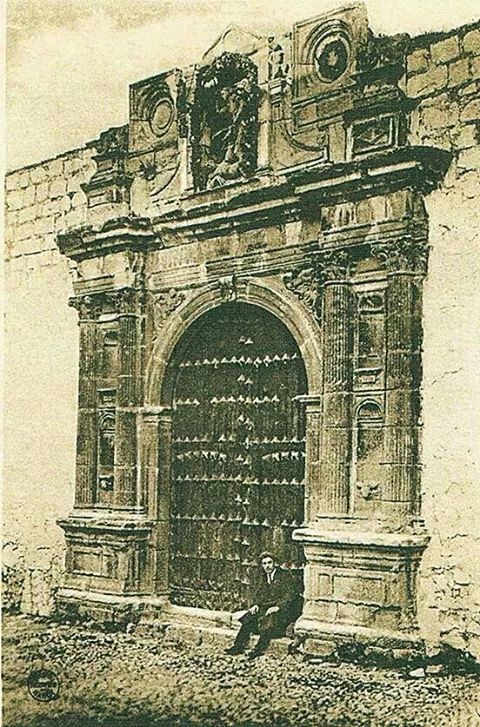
(237, 456)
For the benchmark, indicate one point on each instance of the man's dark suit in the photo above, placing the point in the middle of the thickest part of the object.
(280, 592)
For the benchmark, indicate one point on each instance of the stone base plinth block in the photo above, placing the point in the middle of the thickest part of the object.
(360, 585)
(107, 554)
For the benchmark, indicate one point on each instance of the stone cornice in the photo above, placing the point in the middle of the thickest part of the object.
(292, 195)
(262, 202)
(122, 233)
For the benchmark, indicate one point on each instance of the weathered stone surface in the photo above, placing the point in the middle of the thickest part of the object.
(471, 112)
(445, 50)
(471, 41)
(458, 72)
(418, 61)
(434, 79)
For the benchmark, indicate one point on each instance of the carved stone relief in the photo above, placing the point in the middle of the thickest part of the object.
(224, 121)
(163, 306)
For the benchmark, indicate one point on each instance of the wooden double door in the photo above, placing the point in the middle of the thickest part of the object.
(238, 455)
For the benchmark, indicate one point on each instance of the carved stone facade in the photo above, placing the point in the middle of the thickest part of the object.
(279, 179)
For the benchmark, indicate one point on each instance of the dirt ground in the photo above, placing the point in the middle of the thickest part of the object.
(120, 680)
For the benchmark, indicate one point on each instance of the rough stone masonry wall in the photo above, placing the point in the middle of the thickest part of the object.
(41, 350)
(444, 74)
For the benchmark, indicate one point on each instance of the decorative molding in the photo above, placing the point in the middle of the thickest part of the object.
(126, 301)
(112, 143)
(224, 121)
(382, 51)
(163, 306)
(278, 68)
(408, 254)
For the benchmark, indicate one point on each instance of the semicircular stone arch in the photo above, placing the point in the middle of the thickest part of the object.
(274, 298)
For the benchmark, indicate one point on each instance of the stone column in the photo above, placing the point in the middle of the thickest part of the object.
(156, 473)
(313, 434)
(337, 337)
(127, 492)
(406, 264)
(86, 459)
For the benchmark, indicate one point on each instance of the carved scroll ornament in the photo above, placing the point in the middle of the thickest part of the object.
(163, 306)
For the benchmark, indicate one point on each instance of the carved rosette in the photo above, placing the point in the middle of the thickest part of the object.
(228, 288)
(164, 304)
(407, 255)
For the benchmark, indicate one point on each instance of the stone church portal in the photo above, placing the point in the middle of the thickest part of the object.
(238, 455)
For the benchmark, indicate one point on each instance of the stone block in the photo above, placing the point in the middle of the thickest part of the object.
(27, 214)
(321, 584)
(469, 158)
(23, 179)
(38, 174)
(418, 61)
(323, 610)
(58, 187)
(426, 83)
(316, 647)
(25, 231)
(441, 114)
(387, 619)
(359, 588)
(14, 199)
(471, 112)
(55, 167)
(445, 50)
(465, 136)
(352, 613)
(471, 41)
(458, 72)
(42, 192)
(44, 225)
(469, 184)
(475, 67)
(11, 181)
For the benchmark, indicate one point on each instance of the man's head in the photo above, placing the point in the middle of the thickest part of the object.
(268, 562)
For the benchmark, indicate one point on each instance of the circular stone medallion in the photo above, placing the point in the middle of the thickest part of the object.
(161, 117)
(331, 58)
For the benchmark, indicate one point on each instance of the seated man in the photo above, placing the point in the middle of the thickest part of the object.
(276, 604)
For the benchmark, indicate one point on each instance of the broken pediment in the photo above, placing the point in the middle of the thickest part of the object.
(233, 39)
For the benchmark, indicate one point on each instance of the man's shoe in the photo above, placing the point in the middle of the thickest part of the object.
(254, 654)
(234, 650)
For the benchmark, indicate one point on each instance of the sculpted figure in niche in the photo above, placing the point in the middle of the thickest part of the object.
(224, 121)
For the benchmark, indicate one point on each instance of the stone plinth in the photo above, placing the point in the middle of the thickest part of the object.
(359, 584)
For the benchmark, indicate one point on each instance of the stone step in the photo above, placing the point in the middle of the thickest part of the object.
(197, 633)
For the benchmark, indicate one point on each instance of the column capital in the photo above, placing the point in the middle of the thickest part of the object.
(126, 301)
(335, 265)
(88, 306)
(406, 255)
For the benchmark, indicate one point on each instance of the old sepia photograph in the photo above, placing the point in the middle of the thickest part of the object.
(241, 472)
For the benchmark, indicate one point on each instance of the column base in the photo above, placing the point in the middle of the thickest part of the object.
(107, 553)
(360, 585)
